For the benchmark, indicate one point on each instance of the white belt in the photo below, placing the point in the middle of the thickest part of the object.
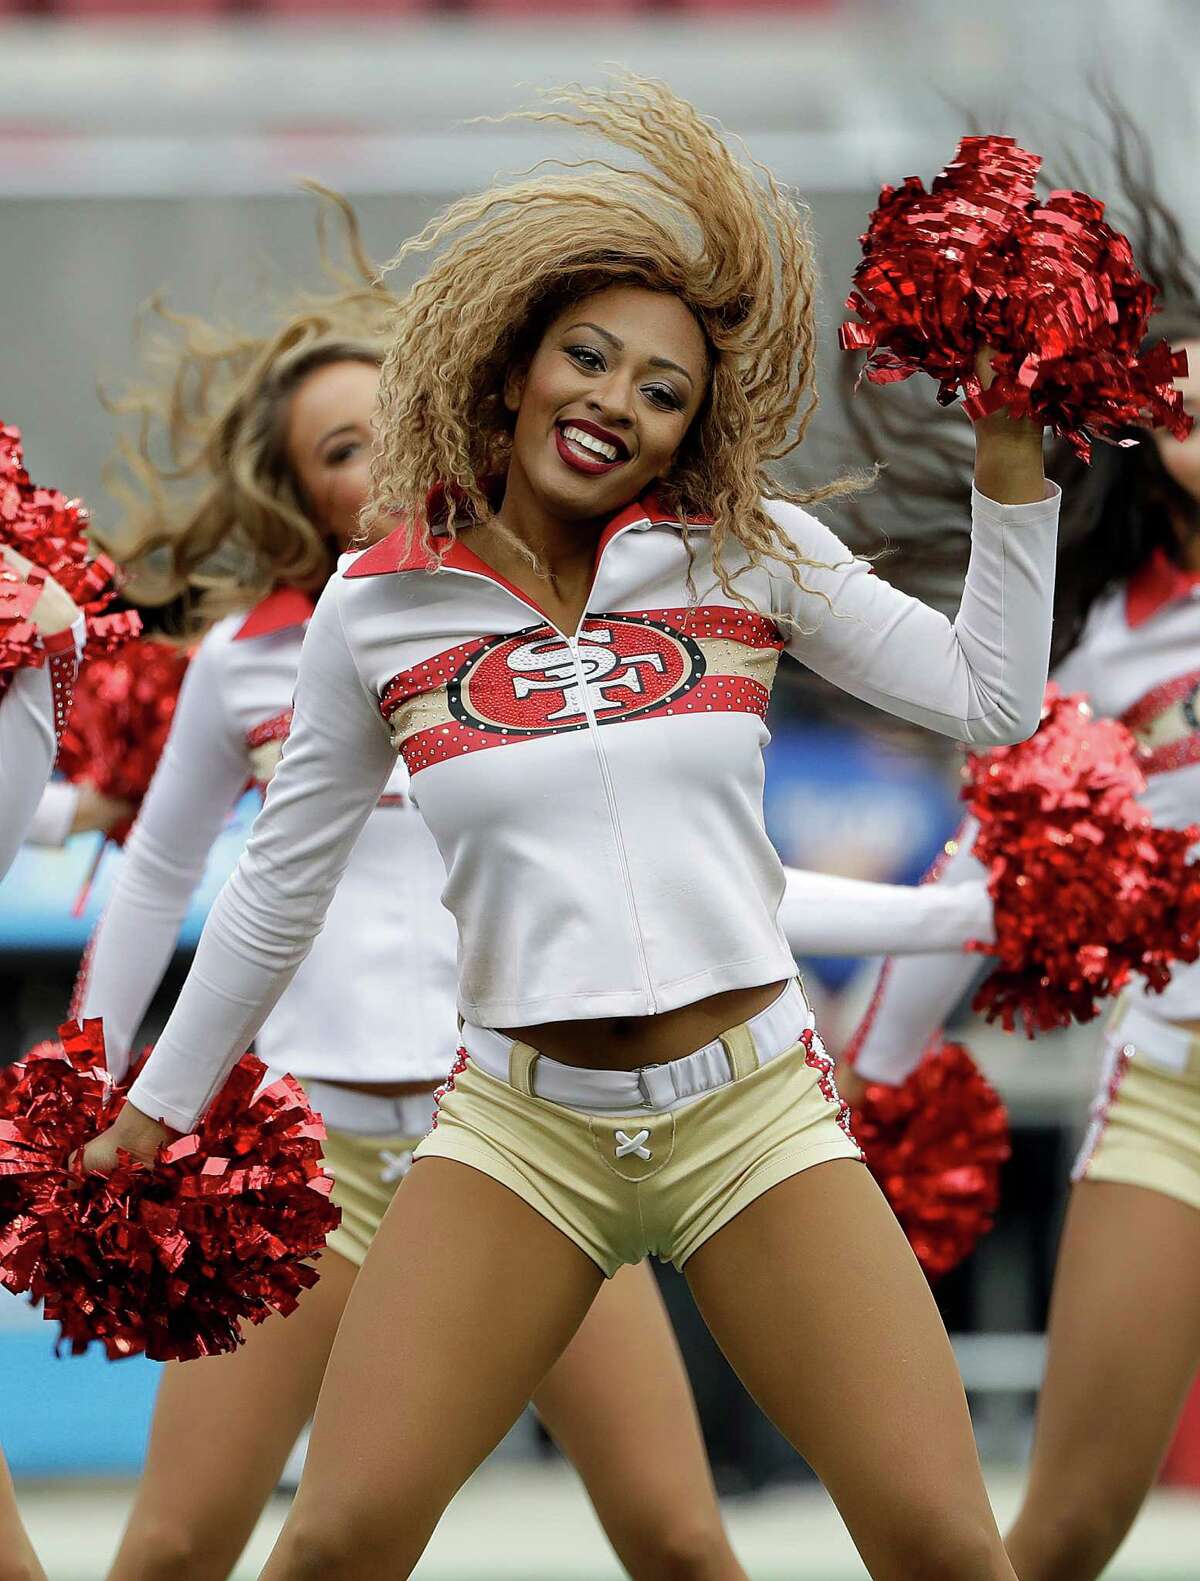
(661, 1087)
(1151, 1038)
(367, 1113)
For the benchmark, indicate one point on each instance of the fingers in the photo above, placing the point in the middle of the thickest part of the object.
(55, 611)
(17, 561)
(89, 1159)
(97, 811)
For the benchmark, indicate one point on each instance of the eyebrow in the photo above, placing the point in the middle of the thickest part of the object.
(619, 345)
(342, 428)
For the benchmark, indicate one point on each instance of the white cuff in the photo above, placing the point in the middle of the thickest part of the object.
(55, 814)
(1034, 513)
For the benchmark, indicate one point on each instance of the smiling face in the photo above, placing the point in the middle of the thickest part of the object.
(606, 400)
(327, 440)
(1181, 457)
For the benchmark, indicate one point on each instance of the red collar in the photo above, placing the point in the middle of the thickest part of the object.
(282, 608)
(1156, 584)
(395, 554)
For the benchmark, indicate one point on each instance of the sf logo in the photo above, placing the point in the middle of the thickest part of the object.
(547, 665)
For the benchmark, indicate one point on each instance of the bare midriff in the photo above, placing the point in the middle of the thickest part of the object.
(627, 1042)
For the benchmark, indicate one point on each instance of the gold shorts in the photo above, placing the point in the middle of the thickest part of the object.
(624, 1186)
(1145, 1125)
(366, 1171)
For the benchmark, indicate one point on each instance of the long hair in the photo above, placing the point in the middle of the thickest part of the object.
(213, 511)
(1116, 512)
(696, 222)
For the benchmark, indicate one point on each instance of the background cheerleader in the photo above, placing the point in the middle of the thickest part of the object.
(1123, 1341)
(28, 736)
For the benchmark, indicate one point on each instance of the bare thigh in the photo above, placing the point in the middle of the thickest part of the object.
(18, 1562)
(618, 1403)
(222, 1431)
(465, 1301)
(817, 1300)
(1124, 1342)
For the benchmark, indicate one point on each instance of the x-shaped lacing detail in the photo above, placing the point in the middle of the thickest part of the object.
(633, 1144)
(395, 1166)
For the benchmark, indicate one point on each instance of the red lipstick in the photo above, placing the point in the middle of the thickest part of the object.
(579, 457)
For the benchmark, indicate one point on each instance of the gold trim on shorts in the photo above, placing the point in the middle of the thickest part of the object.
(1145, 1128)
(366, 1171)
(626, 1186)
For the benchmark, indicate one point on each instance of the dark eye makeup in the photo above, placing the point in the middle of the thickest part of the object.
(662, 395)
(587, 357)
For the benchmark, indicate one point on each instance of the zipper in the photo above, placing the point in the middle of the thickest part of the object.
(597, 743)
(614, 817)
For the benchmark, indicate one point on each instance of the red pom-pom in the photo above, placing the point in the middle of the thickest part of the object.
(1051, 287)
(168, 1261)
(936, 1145)
(18, 635)
(119, 719)
(51, 531)
(10, 1191)
(1085, 889)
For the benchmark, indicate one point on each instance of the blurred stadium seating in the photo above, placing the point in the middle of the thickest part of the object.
(384, 8)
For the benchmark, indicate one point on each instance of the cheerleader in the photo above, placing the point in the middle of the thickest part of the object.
(276, 433)
(570, 642)
(1123, 1342)
(33, 706)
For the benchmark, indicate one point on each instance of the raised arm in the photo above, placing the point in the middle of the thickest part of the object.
(914, 997)
(202, 770)
(336, 762)
(824, 914)
(978, 678)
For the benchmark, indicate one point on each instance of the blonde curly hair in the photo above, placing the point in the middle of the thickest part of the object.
(720, 234)
(212, 509)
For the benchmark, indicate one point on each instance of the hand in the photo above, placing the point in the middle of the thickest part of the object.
(55, 610)
(849, 1083)
(95, 810)
(131, 1132)
(1008, 450)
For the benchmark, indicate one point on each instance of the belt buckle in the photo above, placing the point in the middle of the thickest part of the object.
(648, 1100)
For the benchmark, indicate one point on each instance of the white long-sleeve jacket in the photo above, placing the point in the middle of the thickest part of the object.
(1139, 661)
(33, 709)
(387, 938)
(597, 796)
